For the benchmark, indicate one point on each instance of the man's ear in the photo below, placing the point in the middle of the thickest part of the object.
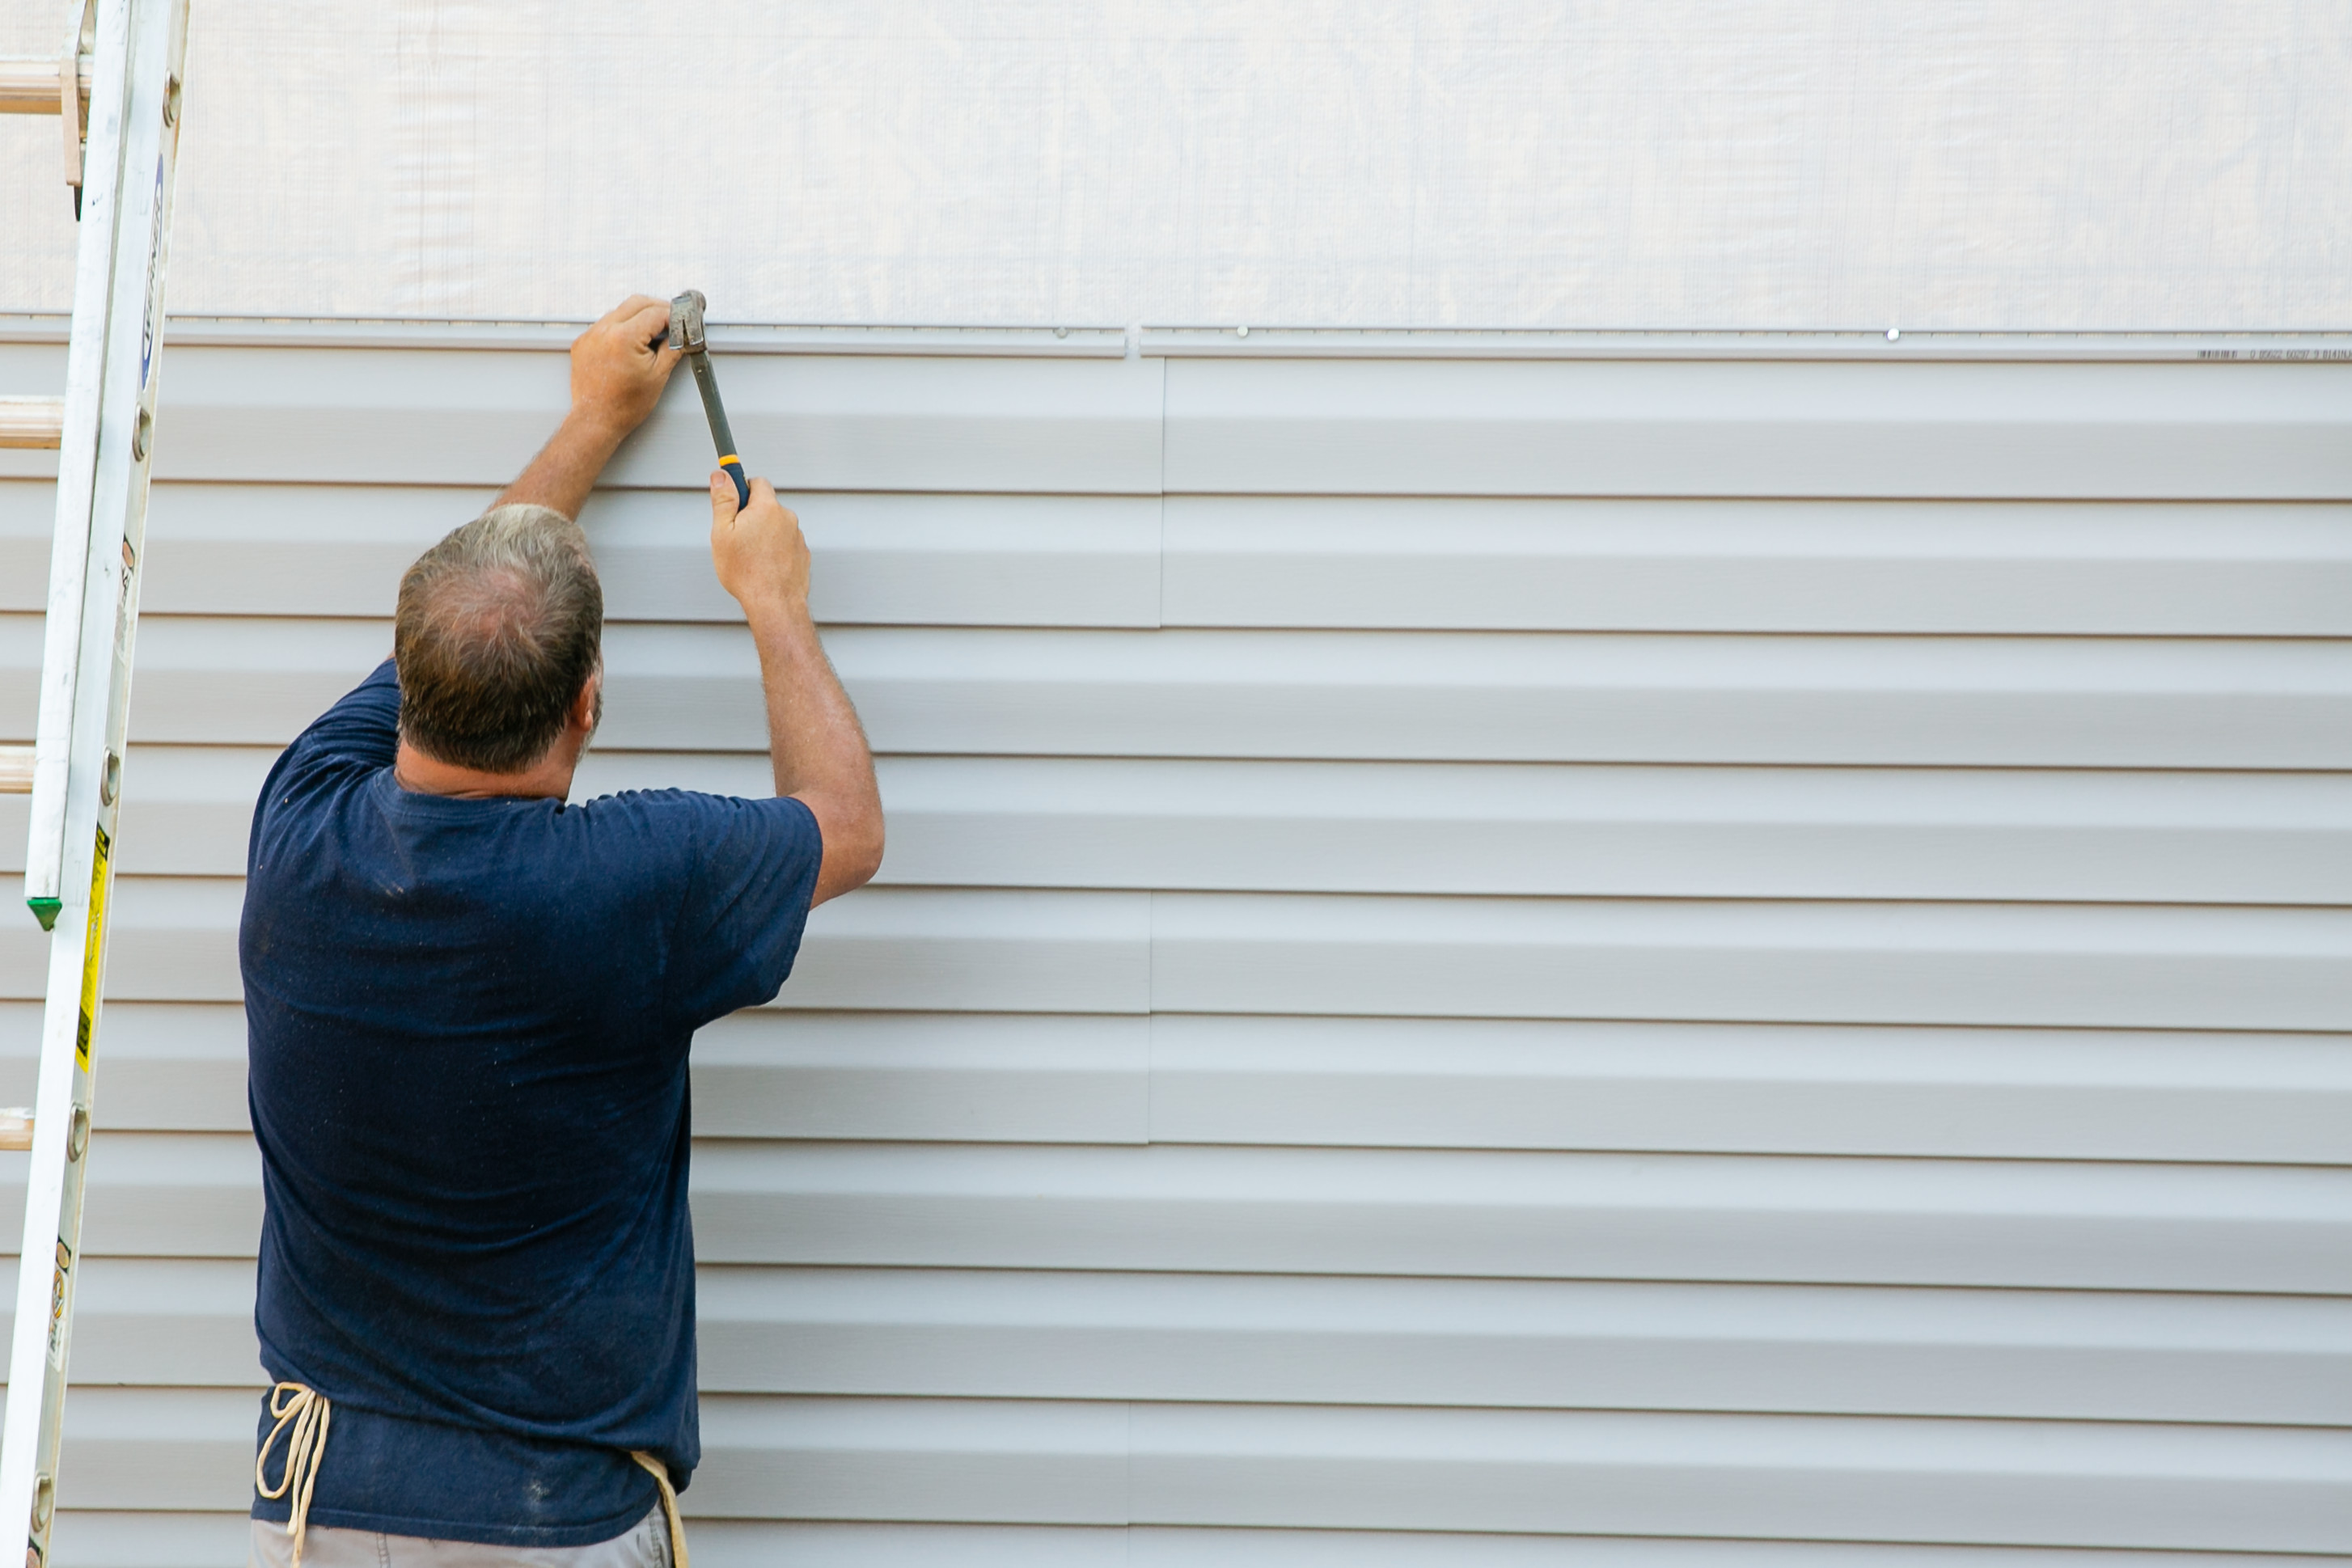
(588, 705)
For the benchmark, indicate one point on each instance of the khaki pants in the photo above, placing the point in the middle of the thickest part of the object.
(646, 1545)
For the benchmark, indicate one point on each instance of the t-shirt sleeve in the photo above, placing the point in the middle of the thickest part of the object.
(363, 727)
(362, 731)
(755, 865)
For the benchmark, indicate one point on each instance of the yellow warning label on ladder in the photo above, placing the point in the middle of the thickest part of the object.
(93, 943)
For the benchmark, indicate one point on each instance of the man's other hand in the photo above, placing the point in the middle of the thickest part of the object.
(617, 374)
(758, 550)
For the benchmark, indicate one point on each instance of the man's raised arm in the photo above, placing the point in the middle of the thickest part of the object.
(819, 750)
(618, 376)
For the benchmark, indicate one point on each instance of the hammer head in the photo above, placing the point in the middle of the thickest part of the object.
(685, 322)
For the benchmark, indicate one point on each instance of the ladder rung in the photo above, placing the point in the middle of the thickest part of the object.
(16, 1127)
(32, 421)
(16, 769)
(30, 86)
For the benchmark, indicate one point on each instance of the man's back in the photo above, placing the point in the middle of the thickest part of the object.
(469, 1006)
(468, 1028)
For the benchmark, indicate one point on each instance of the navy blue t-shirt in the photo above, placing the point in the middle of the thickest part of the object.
(468, 1023)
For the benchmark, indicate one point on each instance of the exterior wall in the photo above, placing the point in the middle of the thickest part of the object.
(1632, 962)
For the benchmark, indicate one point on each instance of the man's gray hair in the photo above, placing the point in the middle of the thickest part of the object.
(499, 626)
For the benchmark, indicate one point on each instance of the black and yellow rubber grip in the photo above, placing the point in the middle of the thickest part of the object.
(721, 436)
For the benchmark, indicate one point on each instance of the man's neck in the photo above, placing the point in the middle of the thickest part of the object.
(548, 779)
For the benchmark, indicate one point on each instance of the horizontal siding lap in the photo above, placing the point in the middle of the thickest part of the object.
(1063, 951)
(728, 1544)
(266, 550)
(1014, 1078)
(1564, 830)
(1003, 561)
(169, 1067)
(128, 1539)
(1443, 427)
(2229, 569)
(1399, 1083)
(164, 1195)
(151, 1538)
(1582, 1472)
(1575, 1215)
(1335, 1340)
(1758, 428)
(1527, 697)
(161, 1321)
(2095, 1485)
(168, 939)
(1576, 830)
(175, 939)
(754, 1544)
(1332, 1339)
(2117, 965)
(2179, 568)
(180, 1448)
(1587, 829)
(406, 416)
(1436, 697)
(1075, 952)
(2073, 1094)
(1528, 1214)
(1686, 1475)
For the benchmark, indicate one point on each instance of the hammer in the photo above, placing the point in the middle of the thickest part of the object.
(686, 331)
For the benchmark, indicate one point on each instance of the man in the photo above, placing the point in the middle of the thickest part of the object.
(469, 1006)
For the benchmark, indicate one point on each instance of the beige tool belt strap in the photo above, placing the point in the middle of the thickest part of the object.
(669, 1505)
(307, 1412)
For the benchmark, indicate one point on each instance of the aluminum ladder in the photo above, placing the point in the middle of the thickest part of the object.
(115, 87)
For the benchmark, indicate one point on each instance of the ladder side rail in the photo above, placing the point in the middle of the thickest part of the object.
(37, 1289)
(139, 162)
(94, 266)
(40, 1284)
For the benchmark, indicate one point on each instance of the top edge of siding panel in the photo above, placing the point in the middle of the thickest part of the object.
(410, 415)
(1828, 430)
(1235, 340)
(1872, 346)
(1063, 342)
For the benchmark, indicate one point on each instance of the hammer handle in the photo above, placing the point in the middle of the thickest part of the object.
(720, 435)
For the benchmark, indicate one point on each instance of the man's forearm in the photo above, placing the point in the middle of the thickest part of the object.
(567, 467)
(815, 738)
(618, 376)
(816, 744)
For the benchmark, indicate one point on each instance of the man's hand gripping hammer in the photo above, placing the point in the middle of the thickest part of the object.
(686, 331)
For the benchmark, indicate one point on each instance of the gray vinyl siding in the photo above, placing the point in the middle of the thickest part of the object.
(1662, 963)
